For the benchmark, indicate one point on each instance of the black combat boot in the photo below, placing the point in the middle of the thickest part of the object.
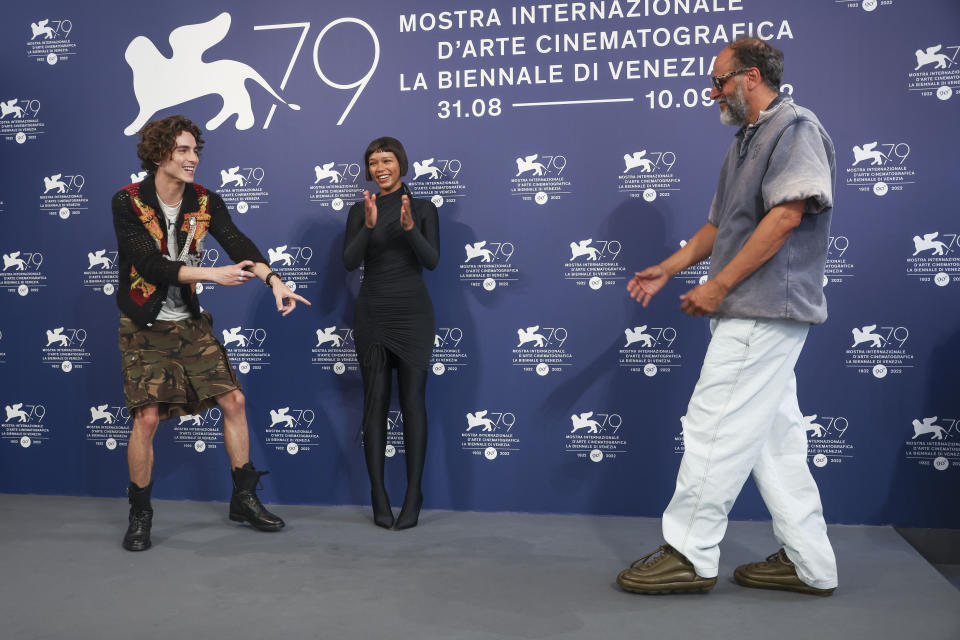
(245, 506)
(137, 537)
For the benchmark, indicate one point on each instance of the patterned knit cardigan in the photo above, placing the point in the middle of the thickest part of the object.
(146, 272)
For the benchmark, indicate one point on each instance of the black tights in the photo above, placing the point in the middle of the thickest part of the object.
(377, 370)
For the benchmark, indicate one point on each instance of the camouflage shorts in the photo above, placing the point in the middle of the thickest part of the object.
(179, 366)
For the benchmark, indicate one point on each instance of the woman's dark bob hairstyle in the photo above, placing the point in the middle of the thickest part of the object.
(386, 144)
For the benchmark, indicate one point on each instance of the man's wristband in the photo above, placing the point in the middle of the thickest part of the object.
(272, 274)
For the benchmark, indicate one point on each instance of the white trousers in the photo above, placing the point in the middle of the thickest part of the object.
(743, 417)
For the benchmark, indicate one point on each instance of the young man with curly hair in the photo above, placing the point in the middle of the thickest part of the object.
(173, 364)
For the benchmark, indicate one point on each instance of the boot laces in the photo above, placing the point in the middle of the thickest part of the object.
(259, 486)
(141, 517)
(260, 474)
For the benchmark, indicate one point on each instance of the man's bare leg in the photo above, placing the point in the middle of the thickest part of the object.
(140, 461)
(140, 444)
(236, 434)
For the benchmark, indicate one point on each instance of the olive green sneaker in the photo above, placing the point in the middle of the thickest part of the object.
(776, 572)
(665, 570)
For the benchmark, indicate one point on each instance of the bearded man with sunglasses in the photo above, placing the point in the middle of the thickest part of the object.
(766, 236)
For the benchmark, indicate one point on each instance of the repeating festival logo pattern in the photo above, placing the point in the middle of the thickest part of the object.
(243, 188)
(541, 349)
(490, 433)
(200, 431)
(50, 40)
(395, 443)
(291, 430)
(64, 349)
(594, 263)
(22, 273)
(62, 195)
(880, 167)
(292, 264)
(934, 441)
(209, 257)
(488, 265)
(879, 350)
(23, 424)
(438, 179)
(937, 71)
(678, 444)
(864, 5)
(448, 354)
(335, 350)
(827, 440)
(336, 185)
(19, 119)
(935, 258)
(108, 426)
(595, 435)
(540, 178)
(650, 350)
(649, 174)
(694, 274)
(101, 272)
(245, 346)
(839, 267)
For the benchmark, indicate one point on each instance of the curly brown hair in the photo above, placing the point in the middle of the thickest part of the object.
(158, 138)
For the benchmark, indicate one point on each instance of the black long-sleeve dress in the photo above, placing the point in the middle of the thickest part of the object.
(393, 307)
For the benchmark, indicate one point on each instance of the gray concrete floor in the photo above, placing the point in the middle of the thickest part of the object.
(951, 572)
(332, 574)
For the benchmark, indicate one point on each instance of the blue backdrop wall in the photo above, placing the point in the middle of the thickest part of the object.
(566, 145)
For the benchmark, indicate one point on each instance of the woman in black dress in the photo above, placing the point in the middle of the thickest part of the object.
(394, 235)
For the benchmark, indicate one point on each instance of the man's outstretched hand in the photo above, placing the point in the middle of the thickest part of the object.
(286, 299)
(646, 283)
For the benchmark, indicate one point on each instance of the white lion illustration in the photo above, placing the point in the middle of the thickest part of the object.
(424, 169)
(328, 335)
(234, 335)
(100, 413)
(530, 335)
(279, 416)
(98, 258)
(160, 82)
(583, 248)
(479, 419)
(583, 421)
(632, 160)
(637, 335)
(866, 334)
(527, 164)
(280, 254)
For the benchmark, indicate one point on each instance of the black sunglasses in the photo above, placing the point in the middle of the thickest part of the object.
(719, 80)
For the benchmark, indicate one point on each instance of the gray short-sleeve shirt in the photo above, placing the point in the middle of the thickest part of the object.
(785, 156)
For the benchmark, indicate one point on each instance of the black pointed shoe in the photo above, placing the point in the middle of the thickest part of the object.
(382, 513)
(245, 506)
(409, 514)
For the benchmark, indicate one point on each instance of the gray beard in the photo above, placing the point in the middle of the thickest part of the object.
(736, 112)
